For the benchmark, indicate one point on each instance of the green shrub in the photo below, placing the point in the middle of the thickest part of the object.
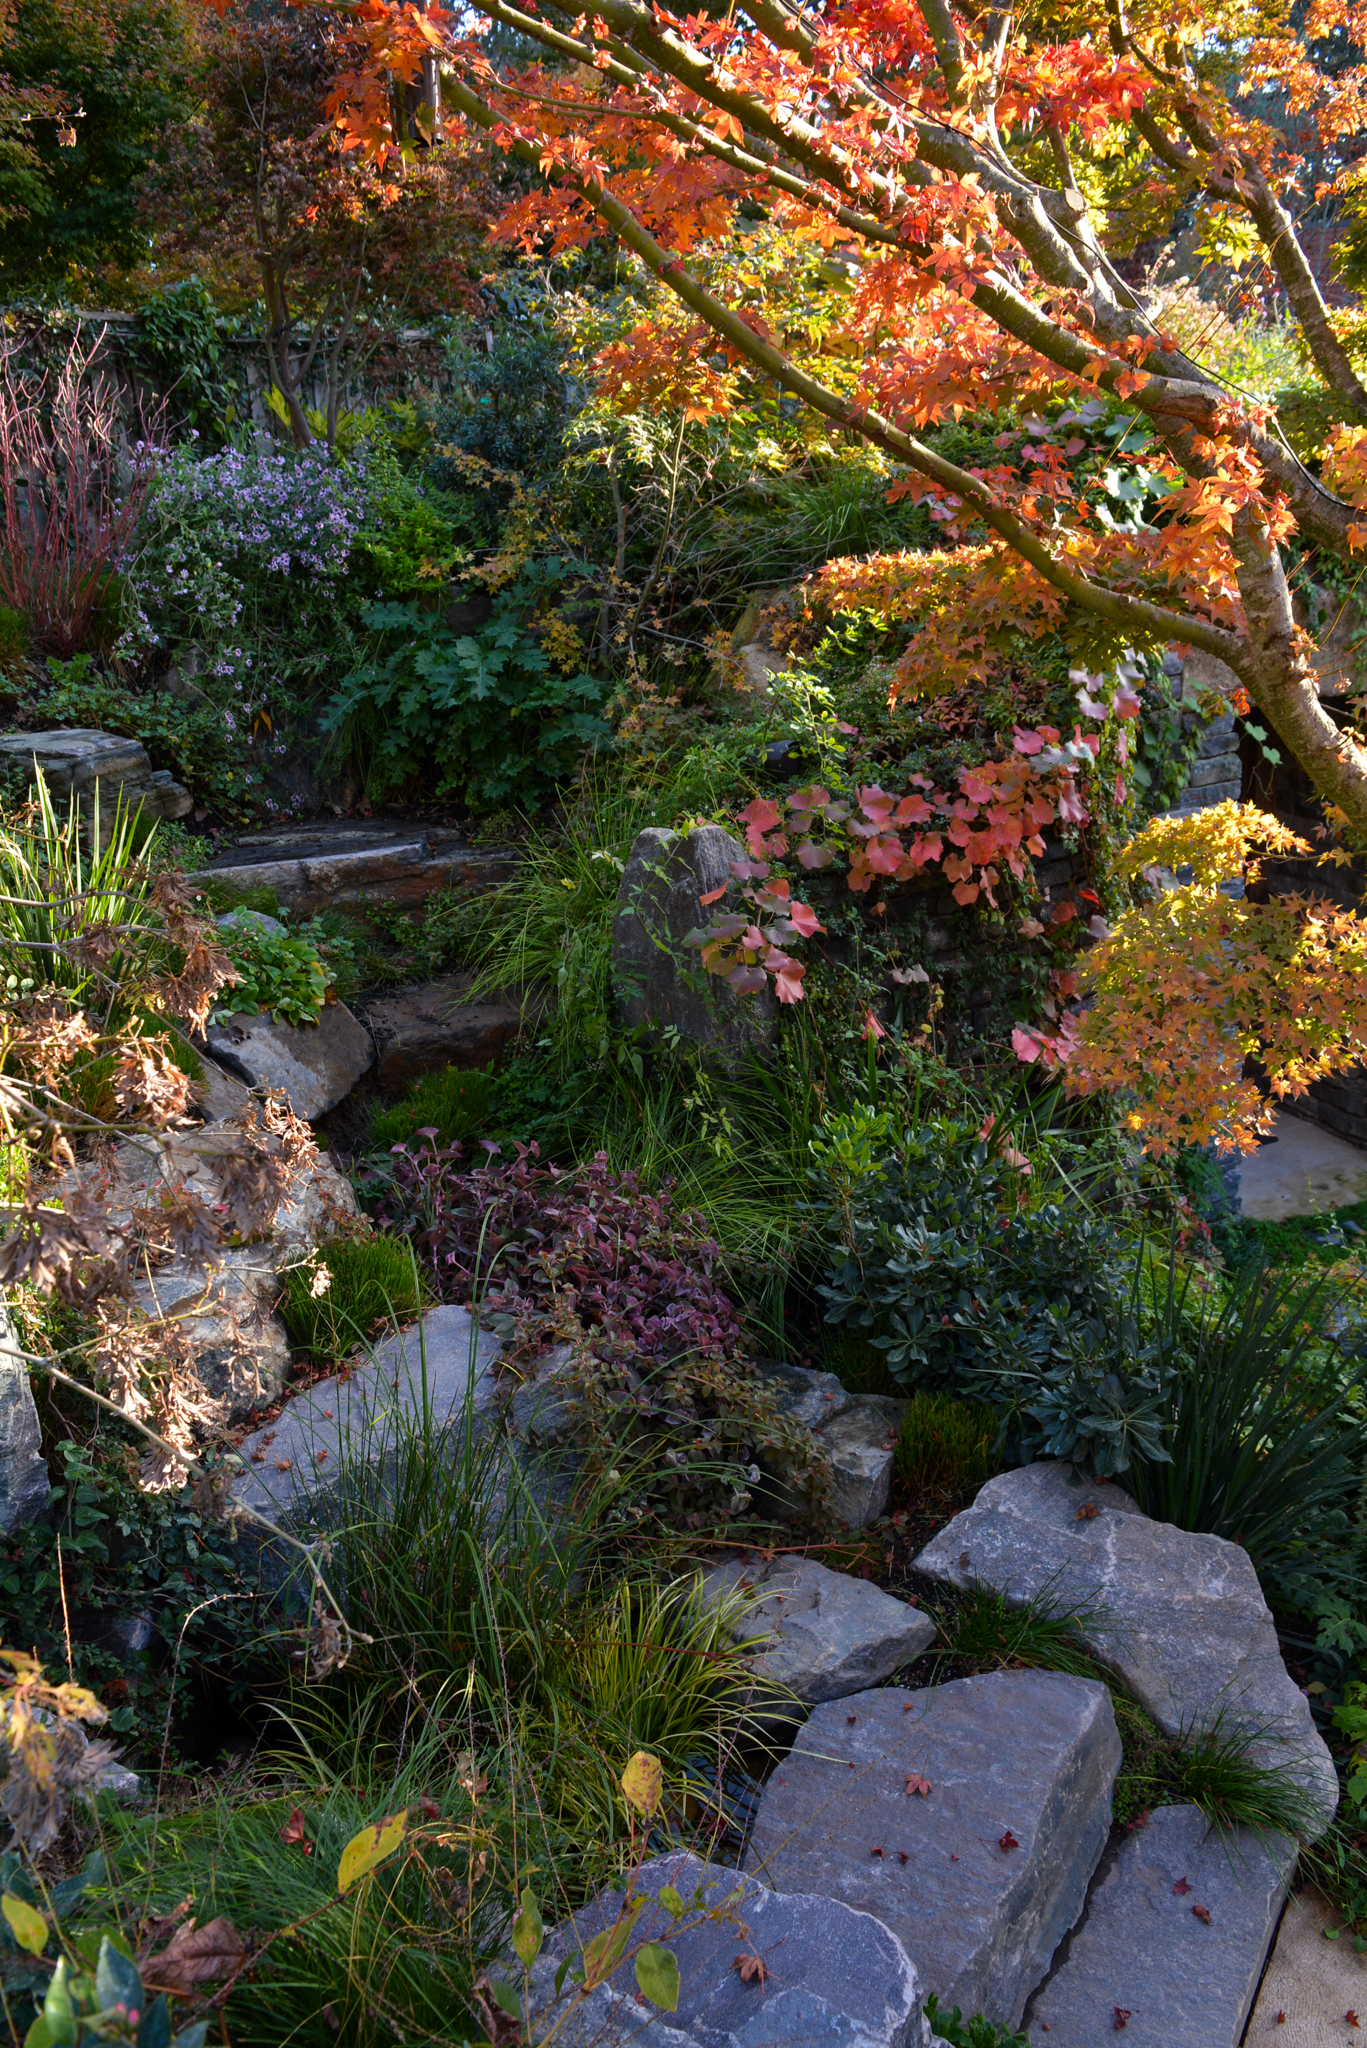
(282, 972)
(372, 1282)
(201, 744)
(946, 1446)
(481, 717)
(456, 1104)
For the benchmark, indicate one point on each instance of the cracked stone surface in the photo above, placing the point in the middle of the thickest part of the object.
(833, 1977)
(1145, 1952)
(1178, 1617)
(999, 1851)
(828, 1634)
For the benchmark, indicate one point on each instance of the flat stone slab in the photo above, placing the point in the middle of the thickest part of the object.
(1307, 1171)
(832, 1977)
(828, 1634)
(422, 1030)
(293, 1464)
(315, 1064)
(998, 1852)
(78, 761)
(1178, 1617)
(312, 869)
(1310, 1984)
(1172, 1943)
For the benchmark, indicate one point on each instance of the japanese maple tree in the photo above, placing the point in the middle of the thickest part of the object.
(982, 177)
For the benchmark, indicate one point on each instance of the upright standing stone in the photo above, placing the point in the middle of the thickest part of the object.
(23, 1474)
(658, 978)
(967, 1817)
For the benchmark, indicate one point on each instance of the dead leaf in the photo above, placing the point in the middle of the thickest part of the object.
(293, 1830)
(751, 1970)
(875, 1852)
(901, 1855)
(918, 1788)
(1182, 1887)
(195, 1955)
(1007, 1841)
(501, 2029)
(1088, 1512)
(1203, 1914)
(1122, 2018)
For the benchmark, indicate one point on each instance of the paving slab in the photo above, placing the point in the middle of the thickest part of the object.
(826, 1633)
(1310, 1985)
(832, 1977)
(1170, 1949)
(982, 1874)
(1179, 1617)
(1307, 1171)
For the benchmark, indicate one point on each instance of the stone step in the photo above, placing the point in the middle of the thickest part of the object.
(981, 1874)
(1178, 1617)
(1170, 1949)
(422, 1030)
(830, 1976)
(86, 764)
(315, 871)
(823, 1634)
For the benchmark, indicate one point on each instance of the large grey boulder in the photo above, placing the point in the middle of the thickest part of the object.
(982, 1874)
(23, 1474)
(225, 1303)
(825, 1633)
(292, 1466)
(856, 1434)
(831, 1975)
(316, 1064)
(1172, 1942)
(1178, 1617)
(657, 977)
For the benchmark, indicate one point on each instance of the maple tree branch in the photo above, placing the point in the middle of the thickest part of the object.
(944, 33)
(1138, 615)
(1280, 680)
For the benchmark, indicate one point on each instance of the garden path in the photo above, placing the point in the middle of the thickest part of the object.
(1306, 1171)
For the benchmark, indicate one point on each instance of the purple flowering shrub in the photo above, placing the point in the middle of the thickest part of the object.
(586, 1262)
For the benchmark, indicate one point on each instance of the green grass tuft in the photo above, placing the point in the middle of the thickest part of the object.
(457, 1103)
(946, 1446)
(373, 1281)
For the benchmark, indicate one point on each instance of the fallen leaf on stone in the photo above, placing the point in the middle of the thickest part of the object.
(1122, 2018)
(920, 1788)
(1141, 1820)
(751, 1970)
(1203, 1914)
(1088, 1512)
(293, 1830)
(901, 1855)
(1281, 2019)
(195, 1955)
(1182, 1887)
(875, 1852)
(1007, 1841)
(850, 1720)
(1352, 2018)
(284, 1464)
